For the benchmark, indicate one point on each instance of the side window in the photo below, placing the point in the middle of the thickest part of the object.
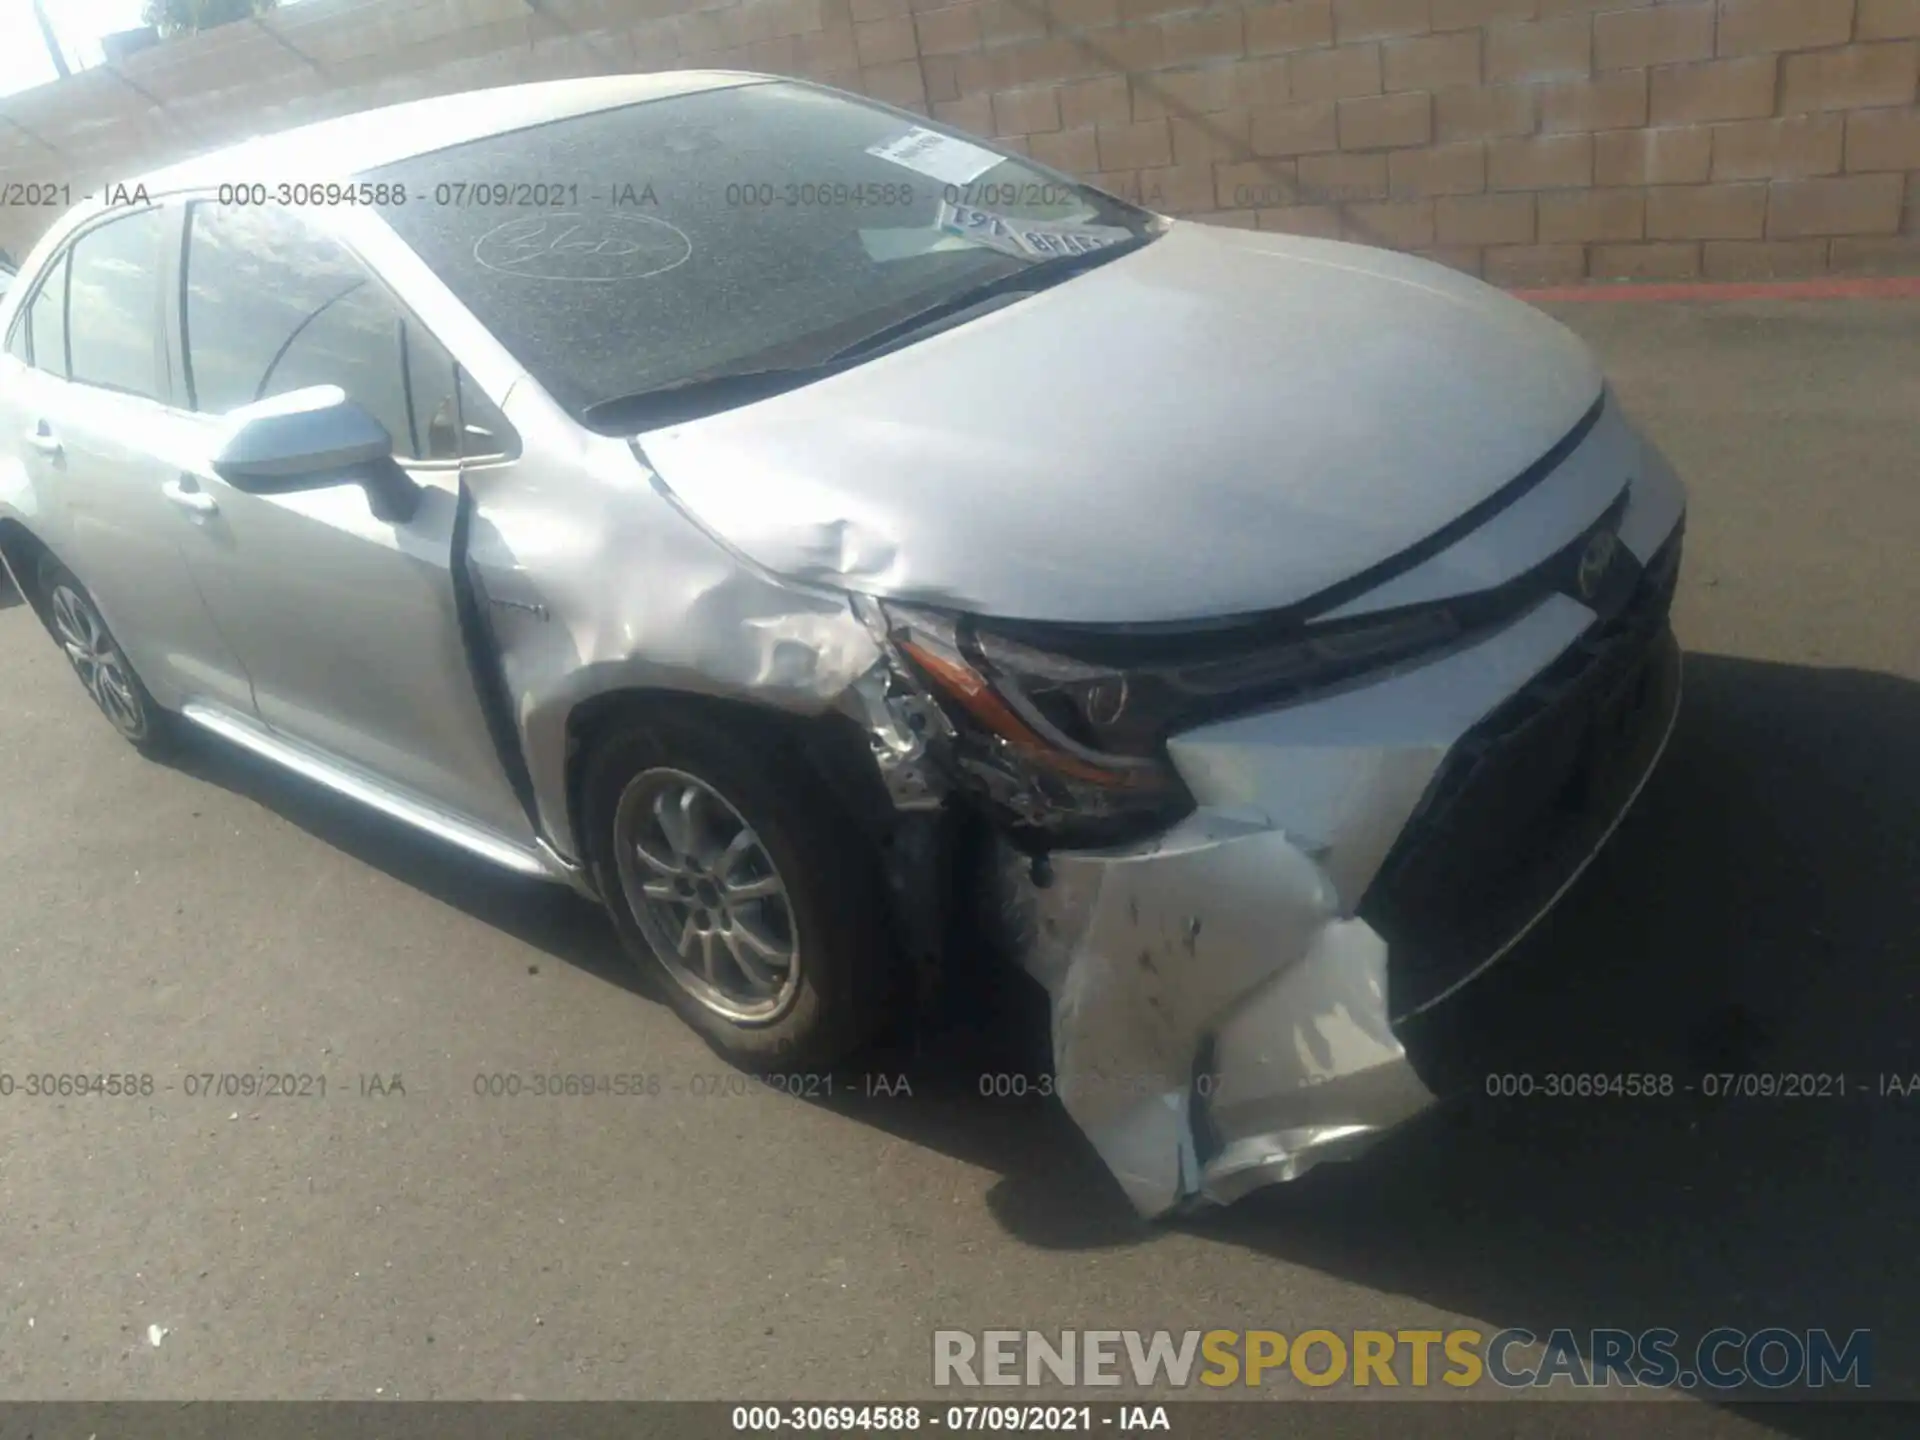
(452, 419)
(45, 321)
(430, 382)
(455, 420)
(113, 306)
(487, 431)
(273, 305)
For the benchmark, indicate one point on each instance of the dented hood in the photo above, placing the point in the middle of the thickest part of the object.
(1220, 422)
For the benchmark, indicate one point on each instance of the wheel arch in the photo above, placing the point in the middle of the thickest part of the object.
(831, 744)
(22, 553)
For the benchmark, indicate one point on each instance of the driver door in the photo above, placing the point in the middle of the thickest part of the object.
(346, 622)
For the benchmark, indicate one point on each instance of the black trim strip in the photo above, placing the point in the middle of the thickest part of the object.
(1132, 643)
(1458, 528)
(485, 663)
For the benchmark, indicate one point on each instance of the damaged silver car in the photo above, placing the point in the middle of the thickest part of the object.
(818, 535)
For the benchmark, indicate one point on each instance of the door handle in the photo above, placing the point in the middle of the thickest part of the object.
(196, 499)
(42, 439)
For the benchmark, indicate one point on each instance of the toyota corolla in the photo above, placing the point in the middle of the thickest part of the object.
(846, 549)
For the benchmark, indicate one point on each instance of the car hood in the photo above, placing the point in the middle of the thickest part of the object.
(1219, 423)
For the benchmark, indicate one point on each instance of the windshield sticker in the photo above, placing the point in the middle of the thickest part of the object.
(983, 227)
(940, 157)
(1027, 239)
(585, 248)
(1049, 240)
(908, 243)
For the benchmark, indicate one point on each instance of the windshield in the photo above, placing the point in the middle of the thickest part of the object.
(760, 225)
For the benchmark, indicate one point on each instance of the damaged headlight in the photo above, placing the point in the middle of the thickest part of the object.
(1068, 727)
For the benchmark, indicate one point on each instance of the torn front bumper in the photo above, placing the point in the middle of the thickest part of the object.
(1226, 997)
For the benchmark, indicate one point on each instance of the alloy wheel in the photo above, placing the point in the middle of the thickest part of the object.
(707, 896)
(97, 660)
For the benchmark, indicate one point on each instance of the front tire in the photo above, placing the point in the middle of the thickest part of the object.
(734, 875)
(101, 665)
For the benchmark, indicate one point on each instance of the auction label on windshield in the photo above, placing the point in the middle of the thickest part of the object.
(1028, 239)
(940, 156)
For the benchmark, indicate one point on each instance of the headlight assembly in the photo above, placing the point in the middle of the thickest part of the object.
(1068, 732)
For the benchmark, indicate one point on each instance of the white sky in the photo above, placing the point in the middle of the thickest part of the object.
(78, 24)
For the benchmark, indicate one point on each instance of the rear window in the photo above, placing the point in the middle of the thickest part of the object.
(113, 293)
(763, 224)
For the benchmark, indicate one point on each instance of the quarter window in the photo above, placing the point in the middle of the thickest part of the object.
(112, 307)
(273, 305)
(45, 323)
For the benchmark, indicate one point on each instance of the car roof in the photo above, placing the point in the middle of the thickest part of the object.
(353, 144)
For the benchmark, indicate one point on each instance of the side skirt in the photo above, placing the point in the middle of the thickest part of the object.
(536, 860)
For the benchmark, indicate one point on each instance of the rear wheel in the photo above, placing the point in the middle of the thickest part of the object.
(99, 662)
(733, 874)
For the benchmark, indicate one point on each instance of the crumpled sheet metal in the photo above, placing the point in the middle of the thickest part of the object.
(1233, 937)
(1230, 935)
(1218, 929)
(897, 727)
(1308, 1069)
(594, 581)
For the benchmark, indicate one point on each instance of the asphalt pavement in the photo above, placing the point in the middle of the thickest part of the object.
(404, 1236)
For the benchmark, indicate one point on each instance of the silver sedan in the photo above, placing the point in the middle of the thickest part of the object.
(852, 552)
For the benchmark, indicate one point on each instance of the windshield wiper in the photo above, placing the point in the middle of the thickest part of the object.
(699, 395)
(1037, 276)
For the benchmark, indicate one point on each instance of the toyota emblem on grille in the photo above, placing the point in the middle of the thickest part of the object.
(1594, 561)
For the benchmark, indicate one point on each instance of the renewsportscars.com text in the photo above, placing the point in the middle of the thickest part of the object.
(1722, 1359)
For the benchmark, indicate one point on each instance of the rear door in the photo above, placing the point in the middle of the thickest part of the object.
(86, 422)
(347, 623)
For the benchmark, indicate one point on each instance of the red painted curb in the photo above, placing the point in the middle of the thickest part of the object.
(1885, 287)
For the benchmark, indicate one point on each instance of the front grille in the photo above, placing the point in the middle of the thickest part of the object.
(1526, 795)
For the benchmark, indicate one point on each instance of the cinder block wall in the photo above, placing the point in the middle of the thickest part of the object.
(1525, 140)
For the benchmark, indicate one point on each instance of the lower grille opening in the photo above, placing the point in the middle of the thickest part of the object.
(1525, 797)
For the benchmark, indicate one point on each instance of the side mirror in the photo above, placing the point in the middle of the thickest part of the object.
(314, 439)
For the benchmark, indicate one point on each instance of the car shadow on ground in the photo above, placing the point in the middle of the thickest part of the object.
(1755, 914)
(547, 917)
